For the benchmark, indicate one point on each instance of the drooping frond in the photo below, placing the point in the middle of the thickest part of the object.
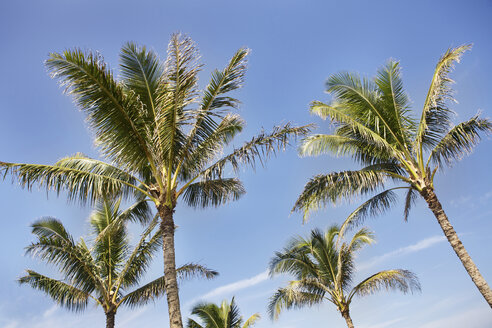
(410, 199)
(324, 189)
(375, 206)
(114, 114)
(82, 178)
(402, 280)
(56, 247)
(192, 270)
(213, 192)
(192, 324)
(141, 71)
(257, 150)
(460, 141)
(436, 116)
(63, 294)
(292, 297)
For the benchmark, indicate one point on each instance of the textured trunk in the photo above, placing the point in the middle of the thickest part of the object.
(436, 208)
(171, 283)
(110, 319)
(348, 320)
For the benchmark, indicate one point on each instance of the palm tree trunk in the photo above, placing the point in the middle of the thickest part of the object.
(436, 208)
(348, 320)
(110, 319)
(170, 281)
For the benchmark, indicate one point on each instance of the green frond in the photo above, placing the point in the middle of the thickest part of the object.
(63, 294)
(372, 207)
(366, 144)
(291, 297)
(141, 71)
(114, 114)
(192, 270)
(436, 116)
(199, 156)
(213, 192)
(82, 178)
(402, 280)
(192, 324)
(252, 320)
(322, 190)
(258, 149)
(410, 199)
(460, 141)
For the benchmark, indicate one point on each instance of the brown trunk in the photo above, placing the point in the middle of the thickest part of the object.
(436, 208)
(348, 320)
(170, 281)
(110, 319)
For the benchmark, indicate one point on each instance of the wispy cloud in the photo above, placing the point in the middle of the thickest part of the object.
(478, 317)
(50, 311)
(233, 287)
(421, 245)
(385, 324)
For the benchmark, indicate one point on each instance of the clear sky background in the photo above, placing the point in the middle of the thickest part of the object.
(295, 46)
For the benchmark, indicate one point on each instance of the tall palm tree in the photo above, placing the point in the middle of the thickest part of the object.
(323, 268)
(109, 271)
(225, 316)
(375, 127)
(162, 138)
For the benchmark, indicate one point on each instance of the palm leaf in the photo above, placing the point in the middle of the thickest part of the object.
(213, 192)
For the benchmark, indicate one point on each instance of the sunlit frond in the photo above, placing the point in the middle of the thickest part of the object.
(114, 114)
(325, 189)
(292, 297)
(63, 294)
(402, 280)
(213, 192)
(193, 270)
(436, 116)
(460, 141)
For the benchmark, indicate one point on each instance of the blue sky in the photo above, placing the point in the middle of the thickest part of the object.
(295, 46)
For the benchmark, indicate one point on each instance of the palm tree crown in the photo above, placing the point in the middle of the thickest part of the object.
(323, 268)
(110, 270)
(163, 138)
(375, 127)
(225, 316)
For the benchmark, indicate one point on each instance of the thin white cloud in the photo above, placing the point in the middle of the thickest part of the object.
(479, 317)
(421, 245)
(385, 324)
(233, 287)
(50, 311)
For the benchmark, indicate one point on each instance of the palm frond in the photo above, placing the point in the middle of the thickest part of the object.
(324, 189)
(213, 192)
(460, 141)
(192, 270)
(192, 324)
(291, 297)
(372, 207)
(410, 199)
(63, 294)
(82, 178)
(141, 71)
(402, 280)
(436, 116)
(251, 320)
(257, 150)
(114, 115)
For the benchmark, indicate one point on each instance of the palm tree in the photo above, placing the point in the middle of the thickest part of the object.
(107, 271)
(225, 316)
(323, 268)
(160, 139)
(375, 127)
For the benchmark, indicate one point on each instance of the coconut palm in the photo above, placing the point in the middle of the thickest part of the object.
(375, 127)
(109, 271)
(323, 268)
(162, 138)
(225, 316)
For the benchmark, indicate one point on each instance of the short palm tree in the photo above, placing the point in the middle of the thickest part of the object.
(109, 271)
(375, 127)
(225, 316)
(163, 139)
(323, 268)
